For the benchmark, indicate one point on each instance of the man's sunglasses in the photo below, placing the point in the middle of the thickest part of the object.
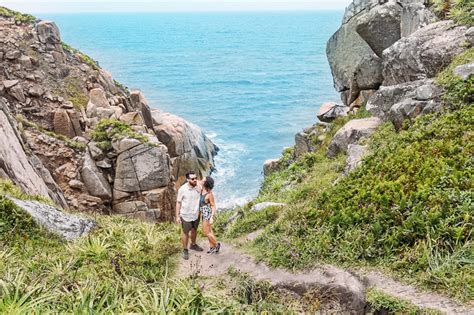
(192, 178)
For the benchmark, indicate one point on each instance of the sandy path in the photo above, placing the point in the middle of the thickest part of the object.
(350, 287)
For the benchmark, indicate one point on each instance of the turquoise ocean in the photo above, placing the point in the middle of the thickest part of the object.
(249, 80)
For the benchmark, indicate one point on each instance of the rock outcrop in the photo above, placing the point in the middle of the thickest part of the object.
(62, 96)
(189, 148)
(351, 133)
(64, 225)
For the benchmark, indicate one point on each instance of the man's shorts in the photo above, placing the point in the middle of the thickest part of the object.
(188, 226)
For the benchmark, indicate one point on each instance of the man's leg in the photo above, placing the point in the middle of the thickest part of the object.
(193, 236)
(184, 239)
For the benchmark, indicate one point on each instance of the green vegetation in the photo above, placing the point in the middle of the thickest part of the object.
(381, 302)
(407, 209)
(75, 145)
(88, 60)
(24, 18)
(461, 11)
(459, 92)
(109, 130)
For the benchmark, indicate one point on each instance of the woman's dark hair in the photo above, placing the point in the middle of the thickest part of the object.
(209, 183)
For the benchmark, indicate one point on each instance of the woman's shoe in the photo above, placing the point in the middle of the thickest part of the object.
(211, 251)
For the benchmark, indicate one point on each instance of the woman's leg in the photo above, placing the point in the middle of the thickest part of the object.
(208, 232)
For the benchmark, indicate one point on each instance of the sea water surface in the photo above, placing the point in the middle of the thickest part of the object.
(249, 80)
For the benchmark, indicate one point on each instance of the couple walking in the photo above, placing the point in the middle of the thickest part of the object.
(195, 201)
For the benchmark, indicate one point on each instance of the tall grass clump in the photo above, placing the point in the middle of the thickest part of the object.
(461, 11)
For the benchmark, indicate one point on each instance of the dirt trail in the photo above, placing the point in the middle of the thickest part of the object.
(349, 286)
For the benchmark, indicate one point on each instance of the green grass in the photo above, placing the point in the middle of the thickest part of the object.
(109, 130)
(24, 18)
(461, 11)
(380, 302)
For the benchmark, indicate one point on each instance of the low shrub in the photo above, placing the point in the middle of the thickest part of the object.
(109, 130)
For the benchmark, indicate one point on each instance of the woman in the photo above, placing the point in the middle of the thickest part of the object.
(207, 207)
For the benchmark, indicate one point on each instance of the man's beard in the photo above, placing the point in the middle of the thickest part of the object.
(193, 183)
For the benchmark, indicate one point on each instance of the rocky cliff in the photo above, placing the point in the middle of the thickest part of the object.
(71, 133)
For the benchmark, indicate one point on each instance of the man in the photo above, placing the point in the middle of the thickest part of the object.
(187, 212)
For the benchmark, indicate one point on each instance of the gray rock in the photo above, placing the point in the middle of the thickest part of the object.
(406, 109)
(36, 91)
(351, 133)
(67, 226)
(188, 146)
(151, 215)
(105, 163)
(270, 166)
(142, 168)
(427, 91)
(424, 53)
(140, 103)
(98, 97)
(14, 162)
(330, 111)
(415, 15)
(96, 183)
(48, 34)
(355, 153)
(464, 71)
(76, 184)
(12, 54)
(95, 152)
(302, 144)
(130, 207)
(264, 205)
(345, 49)
(105, 79)
(368, 74)
(380, 103)
(10, 83)
(380, 27)
(125, 144)
(356, 7)
(17, 92)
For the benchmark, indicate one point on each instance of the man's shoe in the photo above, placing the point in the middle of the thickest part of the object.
(196, 247)
(185, 254)
(218, 247)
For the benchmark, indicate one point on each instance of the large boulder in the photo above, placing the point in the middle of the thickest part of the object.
(141, 168)
(380, 26)
(367, 75)
(351, 133)
(424, 53)
(63, 124)
(16, 164)
(64, 225)
(464, 71)
(188, 146)
(140, 103)
(98, 97)
(48, 34)
(345, 50)
(95, 181)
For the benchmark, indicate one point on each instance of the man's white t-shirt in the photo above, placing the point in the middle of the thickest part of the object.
(189, 198)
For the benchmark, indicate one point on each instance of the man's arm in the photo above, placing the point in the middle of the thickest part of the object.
(178, 209)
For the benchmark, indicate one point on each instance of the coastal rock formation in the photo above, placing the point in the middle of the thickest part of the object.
(84, 140)
(330, 111)
(355, 153)
(189, 148)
